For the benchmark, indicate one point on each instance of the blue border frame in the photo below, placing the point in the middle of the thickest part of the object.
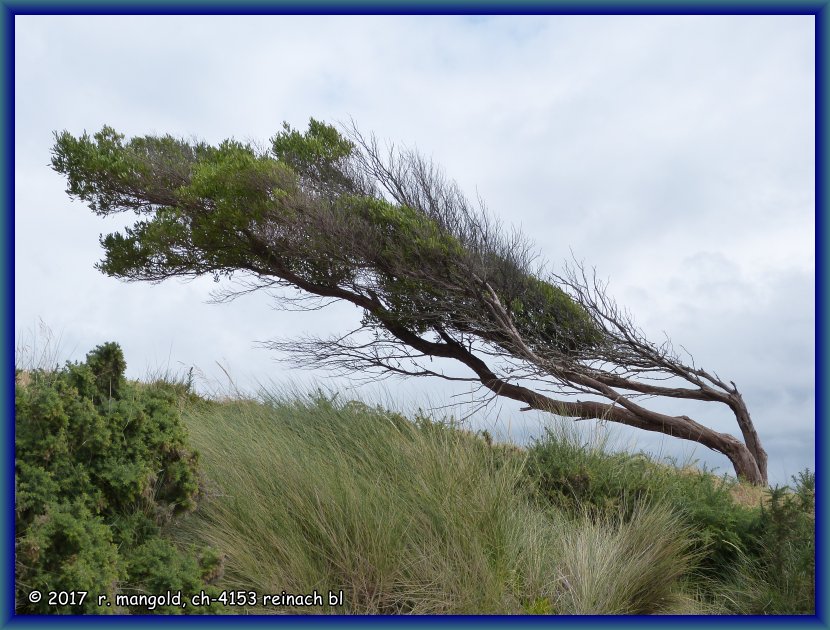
(822, 22)
(408, 7)
(9, 8)
(7, 286)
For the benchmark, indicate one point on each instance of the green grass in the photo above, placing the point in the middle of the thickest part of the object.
(573, 474)
(414, 517)
(755, 547)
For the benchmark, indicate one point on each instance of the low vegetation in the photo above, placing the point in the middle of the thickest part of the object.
(102, 469)
(755, 548)
(413, 517)
(144, 488)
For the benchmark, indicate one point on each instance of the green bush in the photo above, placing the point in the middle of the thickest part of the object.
(752, 559)
(101, 467)
(66, 548)
(575, 476)
(784, 561)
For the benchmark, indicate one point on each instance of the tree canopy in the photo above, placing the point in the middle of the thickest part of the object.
(332, 214)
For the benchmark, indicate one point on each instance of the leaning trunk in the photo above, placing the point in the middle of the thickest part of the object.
(750, 435)
(746, 467)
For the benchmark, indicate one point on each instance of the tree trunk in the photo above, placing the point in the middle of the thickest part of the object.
(746, 467)
(750, 435)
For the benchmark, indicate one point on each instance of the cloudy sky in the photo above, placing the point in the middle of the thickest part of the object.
(673, 153)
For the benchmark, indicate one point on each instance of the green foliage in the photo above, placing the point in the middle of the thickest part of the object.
(107, 364)
(576, 476)
(101, 467)
(316, 155)
(97, 167)
(752, 559)
(66, 547)
(241, 185)
(160, 566)
(786, 560)
(306, 212)
(545, 313)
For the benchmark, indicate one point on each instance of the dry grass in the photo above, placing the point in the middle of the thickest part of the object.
(23, 378)
(749, 495)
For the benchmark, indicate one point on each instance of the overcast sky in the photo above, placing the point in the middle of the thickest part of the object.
(673, 153)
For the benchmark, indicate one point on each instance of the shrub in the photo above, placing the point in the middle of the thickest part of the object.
(101, 467)
(575, 476)
(66, 548)
(785, 562)
(752, 559)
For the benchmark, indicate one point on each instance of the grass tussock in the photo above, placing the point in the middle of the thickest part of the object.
(633, 567)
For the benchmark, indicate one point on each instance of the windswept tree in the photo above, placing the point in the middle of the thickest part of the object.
(335, 216)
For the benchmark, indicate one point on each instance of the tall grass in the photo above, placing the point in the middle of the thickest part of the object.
(755, 546)
(573, 474)
(629, 567)
(412, 517)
